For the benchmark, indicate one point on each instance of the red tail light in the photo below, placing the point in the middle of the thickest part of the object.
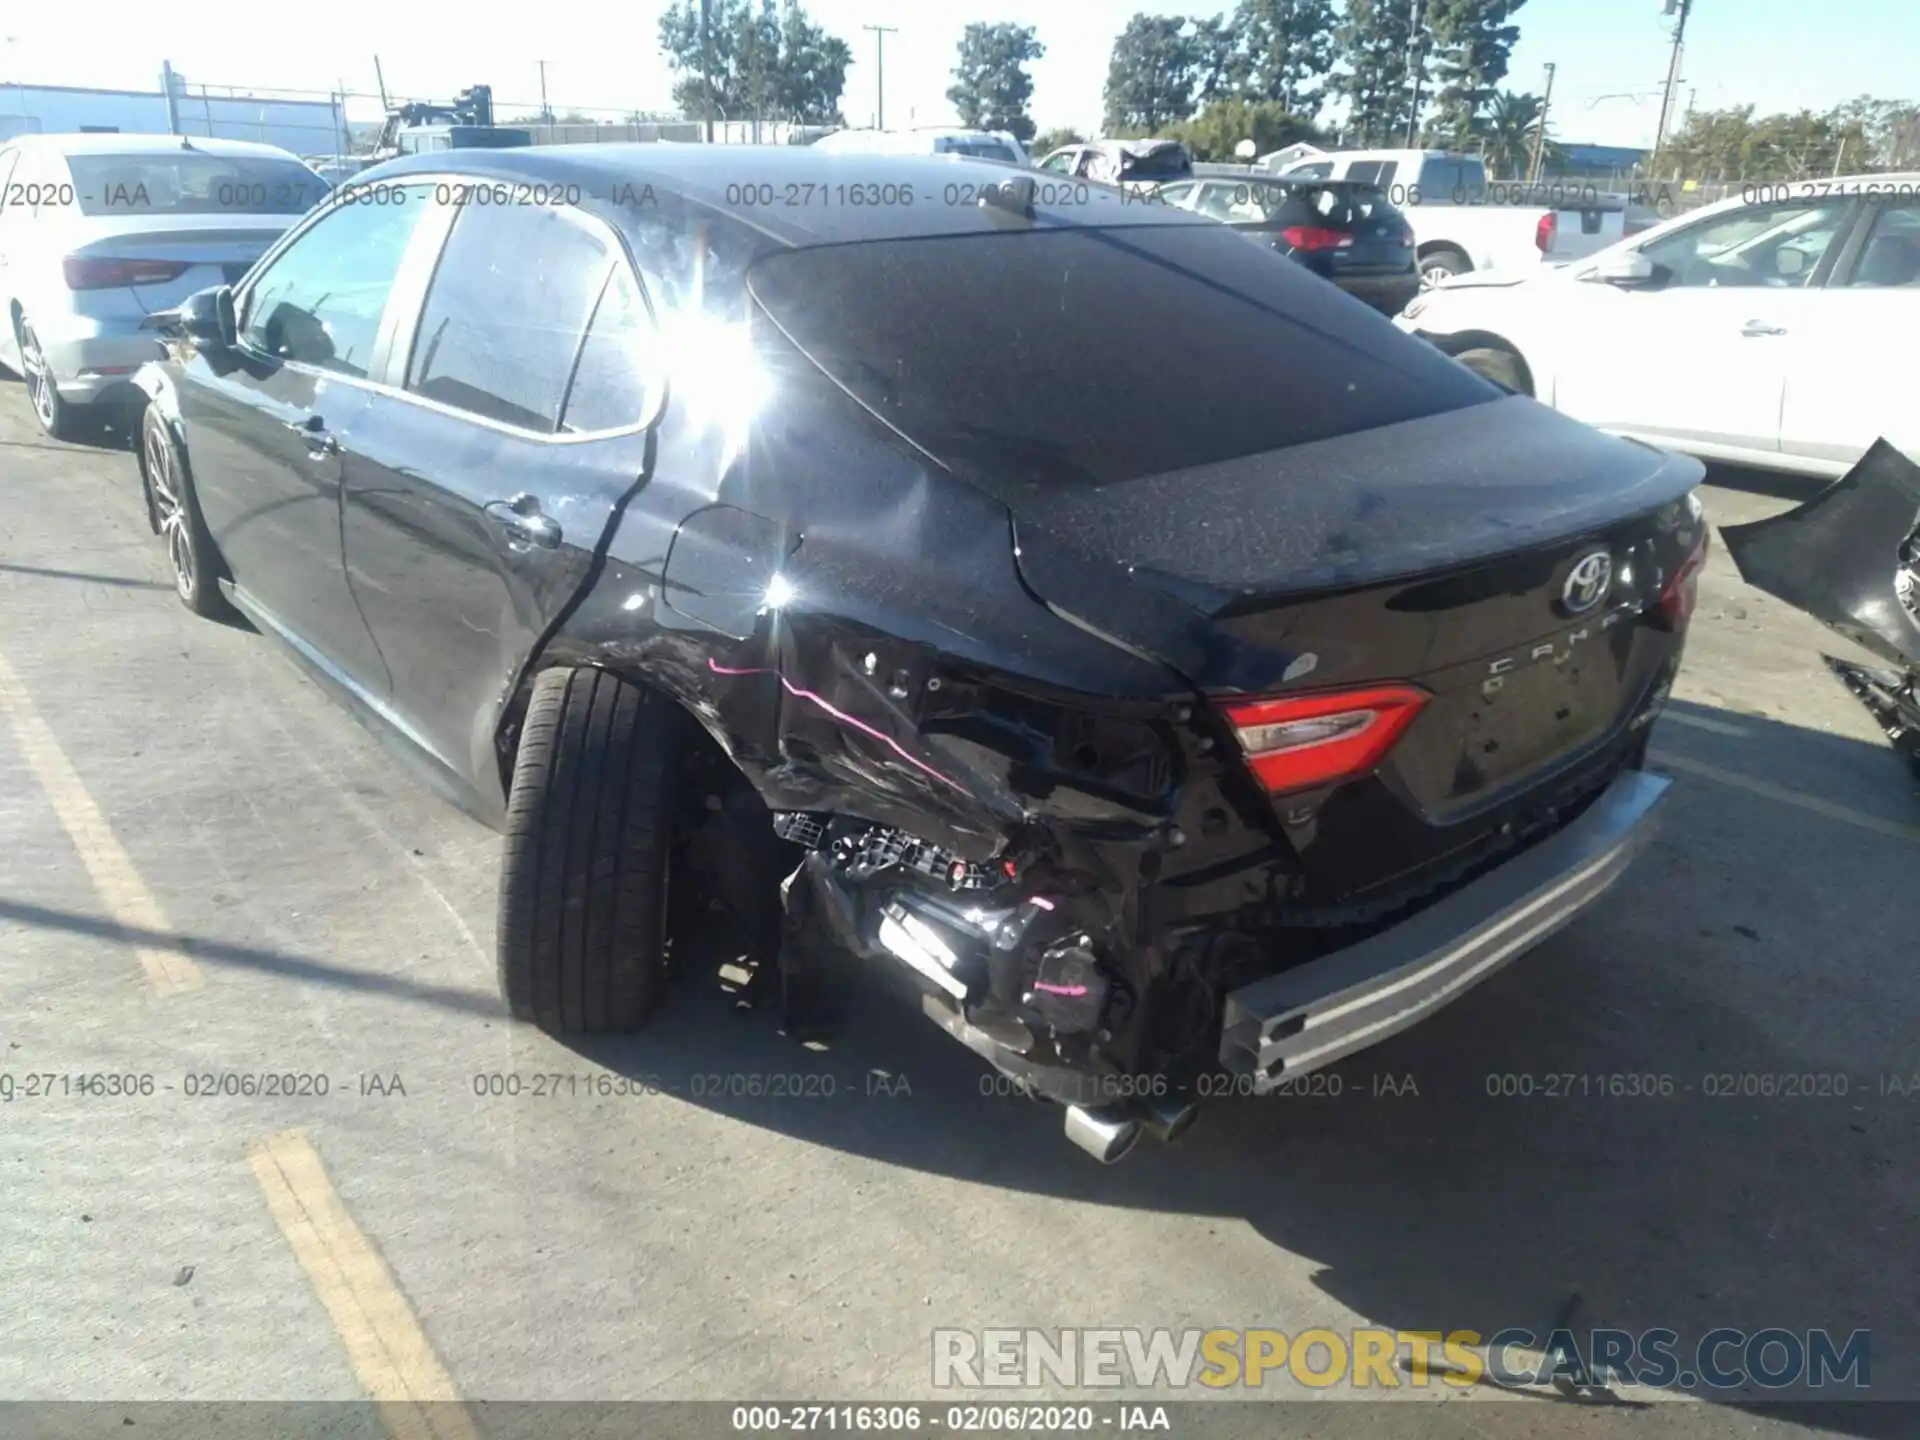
(1544, 231)
(93, 272)
(1682, 591)
(1315, 237)
(1311, 740)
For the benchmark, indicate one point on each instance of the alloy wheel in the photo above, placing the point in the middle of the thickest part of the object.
(33, 364)
(169, 499)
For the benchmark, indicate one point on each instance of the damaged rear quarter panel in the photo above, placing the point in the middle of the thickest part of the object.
(846, 620)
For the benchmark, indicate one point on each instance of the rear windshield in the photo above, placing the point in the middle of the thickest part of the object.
(1338, 205)
(1083, 356)
(185, 183)
(1169, 163)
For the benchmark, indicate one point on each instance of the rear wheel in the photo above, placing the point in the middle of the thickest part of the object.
(1503, 367)
(55, 415)
(583, 887)
(1439, 264)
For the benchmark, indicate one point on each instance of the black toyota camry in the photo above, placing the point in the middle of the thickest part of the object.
(1174, 674)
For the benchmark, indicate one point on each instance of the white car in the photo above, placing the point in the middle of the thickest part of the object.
(1775, 329)
(99, 233)
(928, 140)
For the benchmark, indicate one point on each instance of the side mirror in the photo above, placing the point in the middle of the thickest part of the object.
(1628, 268)
(206, 318)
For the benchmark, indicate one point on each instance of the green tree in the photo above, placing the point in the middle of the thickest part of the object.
(1373, 39)
(1288, 47)
(1472, 42)
(1220, 127)
(1151, 75)
(1734, 145)
(756, 60)
(991, 88)
(1220, 63)
(1507, 133)
(1047, 141)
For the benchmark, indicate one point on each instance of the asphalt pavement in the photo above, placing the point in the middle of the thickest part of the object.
(208, 871)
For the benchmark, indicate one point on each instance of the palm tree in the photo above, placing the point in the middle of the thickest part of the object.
(1507, 133)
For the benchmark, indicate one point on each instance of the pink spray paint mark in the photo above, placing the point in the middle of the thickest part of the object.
(1059, 989)
(843, 718)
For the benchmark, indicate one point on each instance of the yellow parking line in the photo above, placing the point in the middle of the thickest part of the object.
(389, 1351)
(1811, 803)
(126, 896)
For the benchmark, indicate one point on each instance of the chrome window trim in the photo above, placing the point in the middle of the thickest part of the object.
(392, 325)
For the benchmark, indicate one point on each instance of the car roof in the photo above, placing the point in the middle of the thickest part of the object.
(795, 194)
(117, 143)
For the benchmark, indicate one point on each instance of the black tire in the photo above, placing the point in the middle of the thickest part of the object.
(1441, 263)
(1501, 366)
(56, 416)
(583, 886)
(175, 514)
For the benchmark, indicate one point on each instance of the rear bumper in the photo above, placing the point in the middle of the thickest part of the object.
(90, 357)
(1389, 294)
(1312, 1015)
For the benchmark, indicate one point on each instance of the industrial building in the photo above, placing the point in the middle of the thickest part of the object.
(306, 127)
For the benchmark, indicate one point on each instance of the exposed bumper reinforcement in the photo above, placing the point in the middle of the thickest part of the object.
(1313, 1015)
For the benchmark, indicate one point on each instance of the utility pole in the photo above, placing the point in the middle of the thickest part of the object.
(1680, 9)
(381, 80)
(706, 61)
(1540, 133)
(546, 114)
(880, 33)
(1413, 64)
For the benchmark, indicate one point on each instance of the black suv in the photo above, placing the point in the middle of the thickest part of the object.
(1177, 675)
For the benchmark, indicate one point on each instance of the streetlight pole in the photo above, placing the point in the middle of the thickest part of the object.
(880, 33)
(1540, 133)
(546, 115)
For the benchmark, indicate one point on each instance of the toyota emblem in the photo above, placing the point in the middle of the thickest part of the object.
(1587, 583)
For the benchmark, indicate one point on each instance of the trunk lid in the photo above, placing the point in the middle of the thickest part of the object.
(1458, 552)
(215, 250)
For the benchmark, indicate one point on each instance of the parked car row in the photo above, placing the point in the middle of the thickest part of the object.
(1157, 688)
(1774, 332)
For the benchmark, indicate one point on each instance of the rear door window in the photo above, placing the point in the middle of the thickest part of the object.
(506, 312)
(1891, 256)
(620, 372)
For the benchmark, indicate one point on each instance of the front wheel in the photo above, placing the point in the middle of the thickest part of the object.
(1502, 367)
(176, 515)
(583, 888)
(1439, 265)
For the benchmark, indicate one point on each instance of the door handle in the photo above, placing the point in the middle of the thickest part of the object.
(1756, 328)
(525, 524)
(321, 442)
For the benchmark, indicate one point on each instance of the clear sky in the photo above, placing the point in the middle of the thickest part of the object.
(1612, 54)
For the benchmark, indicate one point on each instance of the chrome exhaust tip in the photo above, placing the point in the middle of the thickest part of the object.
(1167, 1117)
(1106, 1132)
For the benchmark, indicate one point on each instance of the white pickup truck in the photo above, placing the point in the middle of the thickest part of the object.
(1462, 221)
